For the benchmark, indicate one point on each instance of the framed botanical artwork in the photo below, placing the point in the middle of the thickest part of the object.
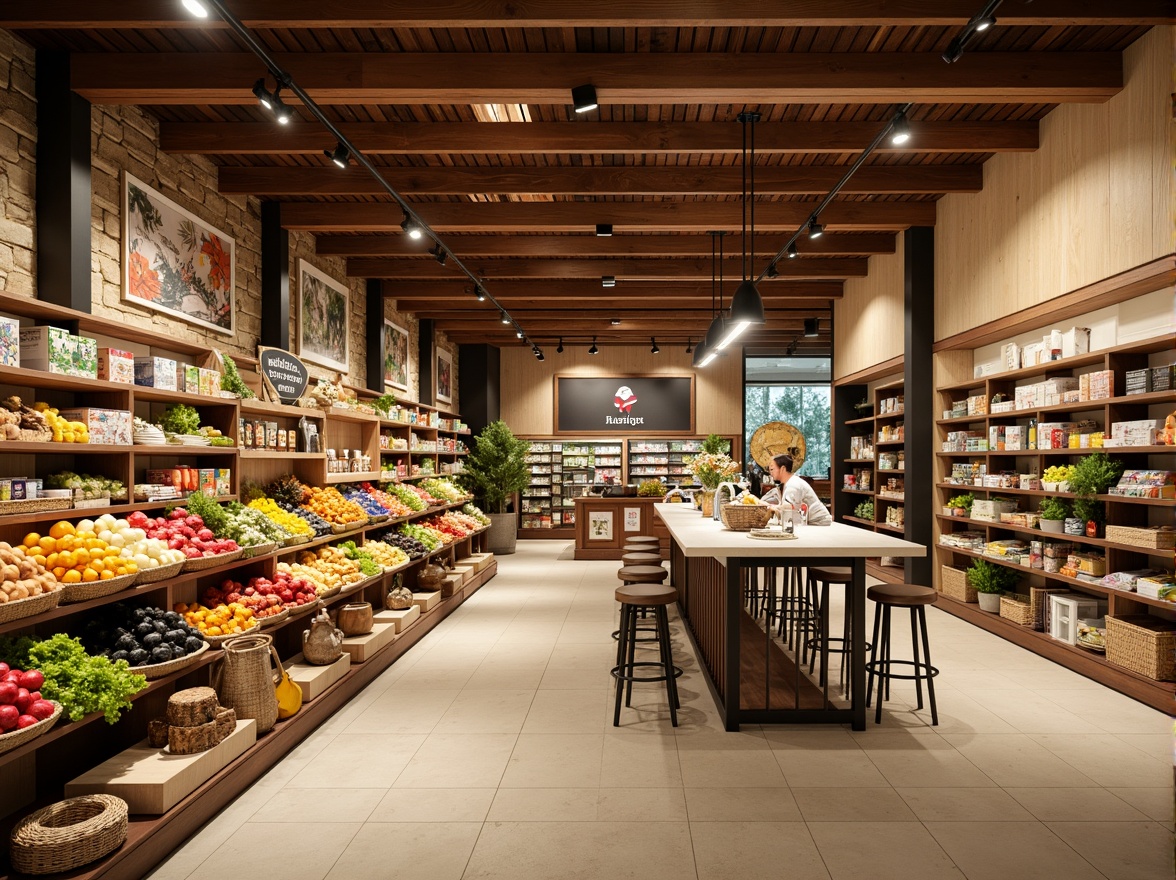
(632, 519)
(444, 376)
(395, 356)
(600, 523)
(322, 318)
(174, 262)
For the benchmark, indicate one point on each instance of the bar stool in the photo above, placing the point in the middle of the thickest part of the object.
(636, 557)
(916, 598)
(643, 539)
(633, 598)
(794, 610)
(641, 548)
(824, 575)
(641, 574)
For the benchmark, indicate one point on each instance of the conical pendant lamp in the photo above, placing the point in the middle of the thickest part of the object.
(708, 347)
(747, 306)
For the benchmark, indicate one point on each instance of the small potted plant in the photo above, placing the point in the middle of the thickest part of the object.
(651, 489)
(989, 580)
(1057, 478)
(1053, 513)
(1091, 477)
(961, 505)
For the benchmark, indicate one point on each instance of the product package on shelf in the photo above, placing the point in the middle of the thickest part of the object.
(9, 342)
(1144, 484)
(156, 372)
(110, 426)
(116, 365)
(1139, 432)
(54, 350)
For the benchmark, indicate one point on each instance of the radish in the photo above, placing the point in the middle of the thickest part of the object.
(41, 709)
(8, 717)
(32, 680)
(25, 721)
(23, 699)
(4, 668)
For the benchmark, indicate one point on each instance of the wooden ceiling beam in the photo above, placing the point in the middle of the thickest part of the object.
(581, 216)
(611, 304)
(456, 289)
(630, 320)
(590, 245)
(626, 180)
(74, 14)
(580, 138)
(620, 78)
(621, 269)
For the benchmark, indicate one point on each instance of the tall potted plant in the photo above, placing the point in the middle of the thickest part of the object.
(1091, 477)
(495, 469)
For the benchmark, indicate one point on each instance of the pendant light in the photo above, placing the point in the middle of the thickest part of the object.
(747, 306)
(706, 350)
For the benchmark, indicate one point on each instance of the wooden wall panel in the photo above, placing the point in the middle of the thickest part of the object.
(1095, 200)
(528, 385)
(868, 319)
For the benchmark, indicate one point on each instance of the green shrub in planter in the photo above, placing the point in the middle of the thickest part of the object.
(1053, 508)
(962, 501)
(1093, 475)
(988, 577)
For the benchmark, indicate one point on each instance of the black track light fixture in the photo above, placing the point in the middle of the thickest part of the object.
(196, 8)
(594, 349)
(653, 349)
(772, 272)
(815, 229)
(479, 293)
(689, 346)
(977, 24)
(584, 98)
(792, 252)
(263, 94)
(603, 230)
(505, 318)
(341, 156)
(439, 253)
(539, 355)
(281, 112)
(984, 22)
(608, 280)
(518, 333)
(559, 348)
(900, 130)
(812, 327)
(955, 49)
(747, 306)
(616, 322)
(411, 228)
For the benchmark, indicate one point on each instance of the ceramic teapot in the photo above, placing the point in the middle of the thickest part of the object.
(323, 642)
(432, 574)
(399, 597)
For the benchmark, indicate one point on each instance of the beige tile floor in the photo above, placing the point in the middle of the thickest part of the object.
(488, 751)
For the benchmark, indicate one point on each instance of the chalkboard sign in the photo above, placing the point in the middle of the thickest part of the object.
(283, 372)
(624, 405)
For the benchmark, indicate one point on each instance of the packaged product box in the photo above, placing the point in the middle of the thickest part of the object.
(156, 372)
(1102, 384)
(84, 357)
(116, 365)
(224, 481)
(1163, 378)
(1140, 432)
(1075, 341)
(1160, 586)
(108, 426)
(1010, 355)
(207, 477)
(210, 382)
(1137, 381)
(9, 342)
(188, 378)
(1014, 437)
(1033, 354)
(46, 348)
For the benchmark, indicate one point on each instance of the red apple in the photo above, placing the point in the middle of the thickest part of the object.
(25, 721)
(32, 680)
(23, 699)
(41, 709)
(8, 717)
(4, 668)
(8, 691)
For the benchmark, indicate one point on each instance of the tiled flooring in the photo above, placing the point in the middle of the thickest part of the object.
(488, 751)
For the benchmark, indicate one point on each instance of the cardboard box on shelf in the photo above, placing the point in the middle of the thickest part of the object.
(9, 342)
(1075, 341)
(209, 382)
(116, 365)
(109, 426)
(48, 349)
(156, 372)
(188, 378)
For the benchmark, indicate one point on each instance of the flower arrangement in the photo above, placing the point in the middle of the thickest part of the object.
(712, 468)
(652, 489)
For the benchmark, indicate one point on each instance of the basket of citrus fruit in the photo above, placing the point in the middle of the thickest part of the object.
(220, 623)
(85, 565)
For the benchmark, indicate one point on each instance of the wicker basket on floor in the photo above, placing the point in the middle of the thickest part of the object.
(1143, 644)
(1038, 601)
(1017, 608)
(69, 834)
(953, 583)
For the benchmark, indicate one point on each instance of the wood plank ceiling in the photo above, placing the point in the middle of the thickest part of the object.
(465, 107)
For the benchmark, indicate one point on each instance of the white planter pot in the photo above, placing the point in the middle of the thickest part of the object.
(989, 602)
(1057, 526)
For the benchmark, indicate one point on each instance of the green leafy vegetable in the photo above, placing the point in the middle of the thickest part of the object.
(231, 380)
(179, 418)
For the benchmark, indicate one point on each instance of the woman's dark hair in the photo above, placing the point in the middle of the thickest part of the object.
(784, 460)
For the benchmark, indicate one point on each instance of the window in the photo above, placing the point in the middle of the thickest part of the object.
(793, 390)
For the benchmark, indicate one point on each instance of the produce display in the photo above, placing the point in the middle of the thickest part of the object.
(430, 538)
(288, 523)
(286, 489)
(452, 526)
(249, 526)
(24, 575)
(89, 487)
(21, 703)
(443, 489)
(64, 431)
(264, 597)
(471, 510)
(24, 418)
(369, 504)
(385, 554)
(317, 524)
(328, 568)
(410, 499)
(140, 636)
(391, 504)
(185, 532)
(78, 555)
(367, 565)
(81, 682)
(425, 496)
(334, 508)
(223, 620)
(1058, 473)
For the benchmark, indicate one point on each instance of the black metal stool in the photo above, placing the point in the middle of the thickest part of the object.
(633, 598)
(794, 611)
(641, 574)
(915, 598)
(826, 575)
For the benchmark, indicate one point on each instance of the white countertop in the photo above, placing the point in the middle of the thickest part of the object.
(700, 535)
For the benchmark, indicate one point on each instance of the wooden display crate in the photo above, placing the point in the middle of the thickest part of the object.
(478, 560)
(465, 572)
(426, 601)
(361, 648)
(400, 619)
(315, 679)
(451, 585)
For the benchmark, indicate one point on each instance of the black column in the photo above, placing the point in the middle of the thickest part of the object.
(918, 391)
(478, 382)
(375, 335)
(275, 278)
(63, 186)
(426, 362)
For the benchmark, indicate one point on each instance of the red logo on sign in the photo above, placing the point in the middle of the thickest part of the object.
(624, 399)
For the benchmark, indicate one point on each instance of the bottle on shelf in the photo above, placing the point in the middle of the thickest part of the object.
(1033, 433)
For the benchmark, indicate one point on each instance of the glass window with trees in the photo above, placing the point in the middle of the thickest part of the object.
(793, 390)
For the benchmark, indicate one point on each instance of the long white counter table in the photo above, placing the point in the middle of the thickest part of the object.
(710, 566)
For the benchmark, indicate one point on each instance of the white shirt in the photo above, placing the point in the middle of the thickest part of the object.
(797, 491)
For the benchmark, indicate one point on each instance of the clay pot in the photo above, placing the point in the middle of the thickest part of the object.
(356, 619)
(431, 575)
(399, 597)
(322, 644)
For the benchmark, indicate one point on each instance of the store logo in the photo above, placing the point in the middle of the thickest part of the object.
(623, 399)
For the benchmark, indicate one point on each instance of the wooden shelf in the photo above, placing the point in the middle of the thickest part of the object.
(857, 491)
(890, 442)
(163, 395)
(863, 420)
(282, 454)
(50, 448)
(352, 477)
(1039, 533)
(176, 449)
(1114, 499)
(889, 528)
(859, 520)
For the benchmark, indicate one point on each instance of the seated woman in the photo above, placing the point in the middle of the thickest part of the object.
(795, 490)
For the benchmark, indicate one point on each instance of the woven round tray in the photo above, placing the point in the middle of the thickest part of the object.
(340, 528)
(217, 641)
(274, 619)
(95, 589)
(745, 517)
(14, 738)
(299, 610)
(203, 562)
(69, 834)
(295, 540)
(159, 670)
(771, 535)
(28, 607)
(161, 573)
(258, 550)
(327, 594)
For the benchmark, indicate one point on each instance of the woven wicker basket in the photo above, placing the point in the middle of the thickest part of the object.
(258, 550)
(34, 505)
(1038, 600)
(96, 589)
(1017, 608)
(11, 740)
(953, 583)
(299, 610)
(745, 517)
(343, 528)
(1153, 539)
(161, 573)
(329, 592)
(159, 670)
(28, 607)
(1143, 644)
(295, 540)
(69, 834)
(203, 562)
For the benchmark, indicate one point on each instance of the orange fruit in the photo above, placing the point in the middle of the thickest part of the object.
(59, 572)
(105, 575)
(95, 544)
(39, 559)
(32, 539)
(61, 529)
(89, 575)
(73, 576)
(48, 544)
(81, 557)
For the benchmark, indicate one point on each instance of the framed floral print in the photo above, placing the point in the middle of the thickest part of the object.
(444, 376)
(322, 318)
(174, 262)
(395, 356)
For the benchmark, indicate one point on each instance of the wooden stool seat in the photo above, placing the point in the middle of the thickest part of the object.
(641, 558)
(904, 595)
(647, 594)
(641, 548)
(831, 574)
(642, 574)
(642, 539)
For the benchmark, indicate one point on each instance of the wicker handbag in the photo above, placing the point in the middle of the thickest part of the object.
(244, 680)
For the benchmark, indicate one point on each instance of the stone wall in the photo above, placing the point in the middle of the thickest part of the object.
(18, 167)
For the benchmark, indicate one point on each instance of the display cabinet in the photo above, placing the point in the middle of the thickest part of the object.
(665, 460)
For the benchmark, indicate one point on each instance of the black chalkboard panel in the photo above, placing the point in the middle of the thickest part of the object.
(620, 405)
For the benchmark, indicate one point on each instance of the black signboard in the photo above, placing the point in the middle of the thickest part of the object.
(286, 374)
(624, 404)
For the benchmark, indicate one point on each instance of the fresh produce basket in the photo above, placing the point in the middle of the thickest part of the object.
(299, 610)
(30, 606)
(12, 739)
(258, 550)
(359, 584)
(34, 505)
(1017, 608)
(274, 619)
(69, 834)
(95, 589)
(295, 540)
(328, 593)
(953, 583)
(159, 670)
(1142, 644)
(203, 562)
(340, 528)
(161, 573)
(379, 517)
(745, 517)
(217, 641)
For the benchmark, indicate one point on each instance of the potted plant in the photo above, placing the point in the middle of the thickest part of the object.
(1057, 478)
(961, 505)
(1053, 513)
(653, 488)
(989, 580)
(1091, 477)
(495, 469)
